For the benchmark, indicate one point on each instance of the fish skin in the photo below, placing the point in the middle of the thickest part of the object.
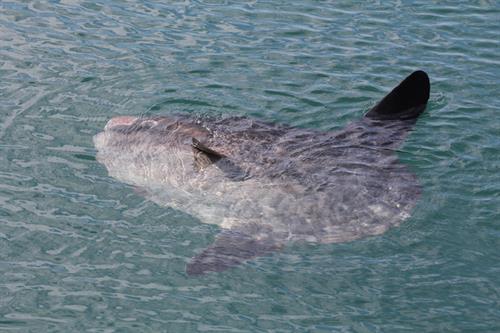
(267, 185)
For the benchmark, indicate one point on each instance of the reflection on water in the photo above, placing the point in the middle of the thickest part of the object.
(80, 251)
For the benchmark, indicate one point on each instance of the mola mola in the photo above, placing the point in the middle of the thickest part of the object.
(266, 184)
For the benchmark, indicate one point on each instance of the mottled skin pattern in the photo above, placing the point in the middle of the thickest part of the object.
(273, 184)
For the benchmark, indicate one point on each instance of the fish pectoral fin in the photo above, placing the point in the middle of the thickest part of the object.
(204, 157)
(229, 249)
(203, 148)
(231, 170)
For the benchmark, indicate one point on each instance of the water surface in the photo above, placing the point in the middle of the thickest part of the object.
(80, 251)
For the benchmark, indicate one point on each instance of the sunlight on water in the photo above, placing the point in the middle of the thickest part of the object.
(80, 251)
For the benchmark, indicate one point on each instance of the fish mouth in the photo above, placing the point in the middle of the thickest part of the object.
(120, 121)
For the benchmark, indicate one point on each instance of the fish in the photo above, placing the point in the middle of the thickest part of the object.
(267, 184)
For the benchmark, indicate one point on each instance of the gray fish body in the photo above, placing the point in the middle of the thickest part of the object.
(266, 184)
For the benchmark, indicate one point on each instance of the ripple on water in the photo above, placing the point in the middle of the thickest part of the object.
(81, 252)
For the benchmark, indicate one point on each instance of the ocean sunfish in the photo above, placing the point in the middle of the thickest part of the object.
(267, 184)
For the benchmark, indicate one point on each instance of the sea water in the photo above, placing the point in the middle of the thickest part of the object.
(82, 252)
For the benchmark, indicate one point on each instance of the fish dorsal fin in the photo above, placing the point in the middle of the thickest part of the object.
(205, 156)
(406, 101)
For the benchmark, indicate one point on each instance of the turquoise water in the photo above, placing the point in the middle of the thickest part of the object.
(80, 251)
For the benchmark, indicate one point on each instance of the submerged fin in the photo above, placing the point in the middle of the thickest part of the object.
(204, 157)
(229, 249)
(407, 101)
